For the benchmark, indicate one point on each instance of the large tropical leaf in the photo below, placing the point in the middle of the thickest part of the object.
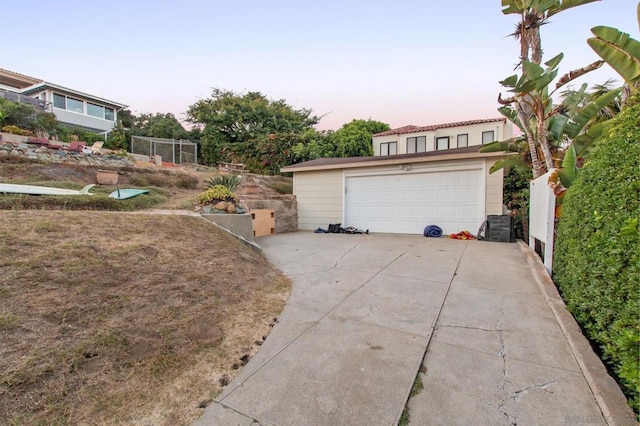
(509, 145)
(512, 116)
(557, 124)
(566, 4)
(619, 50)
(555, 61)
(532, 70)
(548, 7)
(513, 160)
(569, 170)
(582, 118)
(510, 81)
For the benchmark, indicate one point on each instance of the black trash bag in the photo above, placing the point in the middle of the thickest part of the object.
(334, 228)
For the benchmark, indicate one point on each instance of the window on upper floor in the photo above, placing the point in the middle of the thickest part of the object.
(75, 105)
(389, 148)
(59, 101)
(463, 140)
(95, 110)
(416, 144)
(487, 137)
(442, 142)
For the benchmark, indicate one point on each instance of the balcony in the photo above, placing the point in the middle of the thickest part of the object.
(23, 99)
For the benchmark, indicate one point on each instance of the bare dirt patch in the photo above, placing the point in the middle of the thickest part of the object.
(116, 318)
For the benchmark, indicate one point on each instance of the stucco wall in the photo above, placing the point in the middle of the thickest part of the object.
(319, 195)
(494, 187)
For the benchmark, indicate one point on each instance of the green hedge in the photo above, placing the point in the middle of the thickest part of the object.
(597, 257)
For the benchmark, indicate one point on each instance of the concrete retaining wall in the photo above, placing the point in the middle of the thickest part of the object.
(239, 224)
(286, 210)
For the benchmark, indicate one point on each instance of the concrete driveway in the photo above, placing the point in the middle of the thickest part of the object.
(367, 312)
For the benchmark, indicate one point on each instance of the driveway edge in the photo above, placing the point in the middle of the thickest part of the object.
(609, 397)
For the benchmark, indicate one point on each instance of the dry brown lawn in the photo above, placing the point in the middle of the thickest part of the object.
(118, 318)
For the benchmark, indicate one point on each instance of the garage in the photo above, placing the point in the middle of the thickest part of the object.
(406, 203)
(399, 194)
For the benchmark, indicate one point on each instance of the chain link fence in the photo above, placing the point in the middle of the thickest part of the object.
(177, 151)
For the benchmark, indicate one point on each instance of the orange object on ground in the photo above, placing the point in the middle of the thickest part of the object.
(464, 235)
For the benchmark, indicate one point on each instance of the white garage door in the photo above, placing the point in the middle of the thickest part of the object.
(406, 203)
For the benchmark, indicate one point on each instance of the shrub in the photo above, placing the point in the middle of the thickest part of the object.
(516, 198)
(216, 193)
(597, 261)
(230, 182)
(186, 181)
(15, 130)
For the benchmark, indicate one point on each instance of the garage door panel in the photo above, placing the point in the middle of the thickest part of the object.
(406, 203)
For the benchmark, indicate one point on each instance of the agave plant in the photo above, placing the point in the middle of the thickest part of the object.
(230, 182)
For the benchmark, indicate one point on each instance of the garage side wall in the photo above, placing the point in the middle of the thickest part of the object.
(319, 195)
(493, 192)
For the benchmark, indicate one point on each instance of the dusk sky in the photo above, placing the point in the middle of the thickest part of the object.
(399, 62)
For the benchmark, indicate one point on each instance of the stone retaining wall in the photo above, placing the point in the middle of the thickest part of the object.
(48, 155)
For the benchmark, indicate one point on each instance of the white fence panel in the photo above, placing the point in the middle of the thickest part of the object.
(542, 206)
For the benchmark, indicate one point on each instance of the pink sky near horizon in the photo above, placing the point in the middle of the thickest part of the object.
(399, 62)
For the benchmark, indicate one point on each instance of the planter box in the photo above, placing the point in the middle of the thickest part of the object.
(107, 177)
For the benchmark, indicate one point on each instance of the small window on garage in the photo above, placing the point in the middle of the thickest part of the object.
(442, 143)
(463, 140)
(487, 137)
(389, 148)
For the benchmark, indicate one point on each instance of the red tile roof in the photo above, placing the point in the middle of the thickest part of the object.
(415, 129)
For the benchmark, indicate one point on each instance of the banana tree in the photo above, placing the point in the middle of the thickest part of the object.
(531, 101)
(552, 126)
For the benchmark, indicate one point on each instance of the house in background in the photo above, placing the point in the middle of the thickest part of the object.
(418, 176)
(438, 137)
(71, 107)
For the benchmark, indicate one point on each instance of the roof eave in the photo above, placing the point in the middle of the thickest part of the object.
(46, 85)
(391, 160)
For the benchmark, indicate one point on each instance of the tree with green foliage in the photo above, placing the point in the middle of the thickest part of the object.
(597, 255)
(248, 127)
(354, 139)
(319, 145)
(158, 125)
(127, 118)
(117, 137)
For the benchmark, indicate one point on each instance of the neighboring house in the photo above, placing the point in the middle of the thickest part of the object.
(403, 193)
(438, 137)
(71, 107)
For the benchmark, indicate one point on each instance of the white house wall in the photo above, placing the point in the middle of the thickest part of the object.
(77, 119)
(493, 189)
(501, 131)
(319, 195)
